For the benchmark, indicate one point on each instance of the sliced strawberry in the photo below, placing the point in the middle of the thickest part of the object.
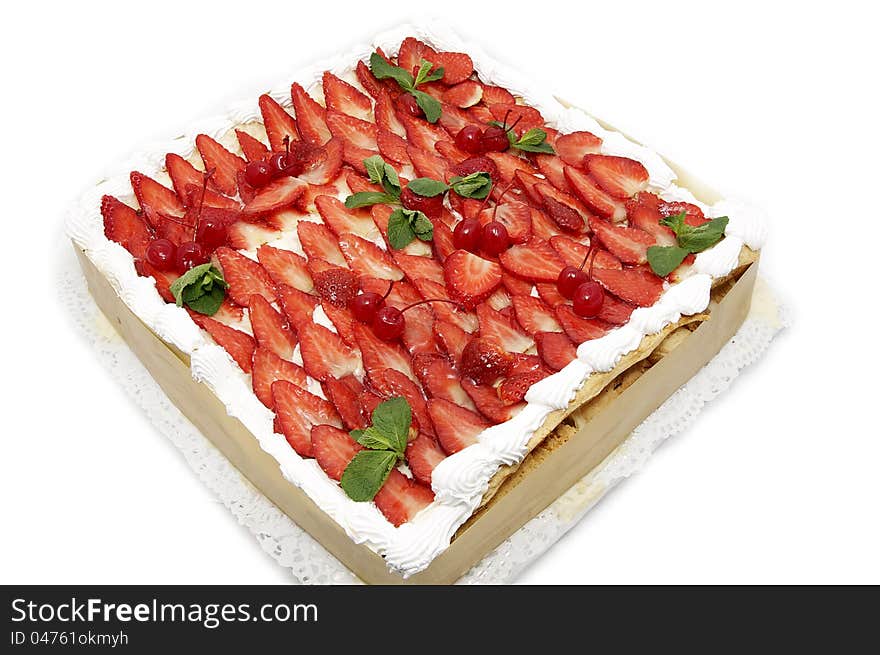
(508, 165)
(451, 337)
(516, 286)
(358, 138)
(564, 216)
(534, 260)
(515, 216)
(465, 94)
(553, 168)
(333, 284)
(244, 276)
(162, 279)
(246, 235)
(400, 498)
(421, 134)
(342, 320)
(158, 197)
(476, 164)
(238, 344)
(483, 360)
(546, 193)
(638, 286)
(514, 388)
(229, 313)
(457, 66)
(333, 448)
(452, 154)
(311, 123)
(430, 290)
(320, 243)
(366, 258)
(278, 123)
(386, 117)
(183, 174)
(550, 294)
(643, 212)
(456, 427)
(423, 454)
(629, 244)
(428, 164)
(252, 147)
(285, 267)
(594, 196)
(343, 97)
(418, 331)
(496, 95)
(281, 193)
(489, 403)
(572, 148)
(340, 219)
(411, 53)
(693, 214)
(325, 354)
(268, 368)
(224, 164)
(499, 300)
(345, 395)
(371, 85)
(534, 315)
(123, 225)
(556, 349)
(390, 383)
(296, 305)
(298, 412)
(419, 268)
(323, 164)
(615, 311)
(440, 380)
(577, 328)
(469, 278)
(378, 354)
(621, 177)
(392, 147)
(271, 331)
(525, 117)
(501, 329)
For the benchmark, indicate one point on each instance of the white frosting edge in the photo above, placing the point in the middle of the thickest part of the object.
(460, 481)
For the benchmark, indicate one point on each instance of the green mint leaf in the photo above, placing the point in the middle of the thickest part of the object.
(676, 223)
(383, 70)
(400, 230)
(425, 186)
(392, 419)
(665, 259)
(476, 185)
(701, 237)
(424, 74)
(535, 140)
(545, 148)
(366, 473)
(429, 105)
(367, 198)
(372, 438)
(384, 174)
(423, 227)
(202, 289)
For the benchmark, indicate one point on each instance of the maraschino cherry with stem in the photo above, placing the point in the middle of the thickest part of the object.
(194, 253)
(495, 138)
(495, 238)
(365, 305)
(578, 285)
(390, 322)
(161, 254)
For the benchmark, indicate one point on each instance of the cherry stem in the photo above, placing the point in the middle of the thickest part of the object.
(287, 143)
(422, 302)
(488, 195)
(590, 251)
(390, 287)
(205, 177)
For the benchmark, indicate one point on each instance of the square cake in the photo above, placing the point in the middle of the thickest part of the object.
(413, 297)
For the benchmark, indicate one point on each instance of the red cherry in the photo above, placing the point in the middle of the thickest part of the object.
(495, 238)
(388, 323)
(258, 173)
(410, 106)
(365, 305)
(467, 234)
(570, 278)
(430, 207)
(494, 139)
(190, 254)
(278, 163)
(588, 299)
(470, 139)
(211, 232)
(161, 254)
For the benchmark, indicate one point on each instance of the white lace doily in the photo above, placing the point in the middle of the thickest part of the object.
(306, 559)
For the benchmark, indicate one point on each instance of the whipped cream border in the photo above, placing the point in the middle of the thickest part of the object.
(460, 481)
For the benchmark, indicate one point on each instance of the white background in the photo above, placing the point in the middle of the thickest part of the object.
(777, 481)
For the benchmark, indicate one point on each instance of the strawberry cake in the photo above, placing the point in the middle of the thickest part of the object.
(402, 271)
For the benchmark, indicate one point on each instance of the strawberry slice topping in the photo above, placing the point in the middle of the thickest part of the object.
(389, 383)
(224, 164)
(285, 267)
(340, 219)
(411, 53)
(515, 216)
(500, 328)
(325, 355)
(279, 124)
(643, 212)
(514, 388)
(638, 286)
(451, 337)
(252, 147)
(572, 148)
(341, 96)
(534, 315)
(465, 94)
(334, 284)
(366, 258)
(281, 193)
(271, 330)
(594, 196)
(244, 276)
(386, 117)
(311, 118)
(457, 66)
(577, 328)
(483, 360)
(246, 235)
(123, 225)
(489, 403)
(534, 260)
(345, 395)
(496, 95)
(320, 243)
(423, 454)
(268, 368)
(333, 448)
(296, 305)
(150, 193)
(621, 177)
(239, 345)
(400, 498)
(629, 244)
(556, 349)
(470, 279)
(392, 147)
(299, 412)
(456, 427)
(378, 354)
(440, 380)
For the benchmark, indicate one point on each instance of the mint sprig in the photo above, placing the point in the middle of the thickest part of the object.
(405, 80)
(384, 444)
(202, 289)
(534, 140)
(691, 239)
(384, 175)
(404, 225)
(475, 185)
